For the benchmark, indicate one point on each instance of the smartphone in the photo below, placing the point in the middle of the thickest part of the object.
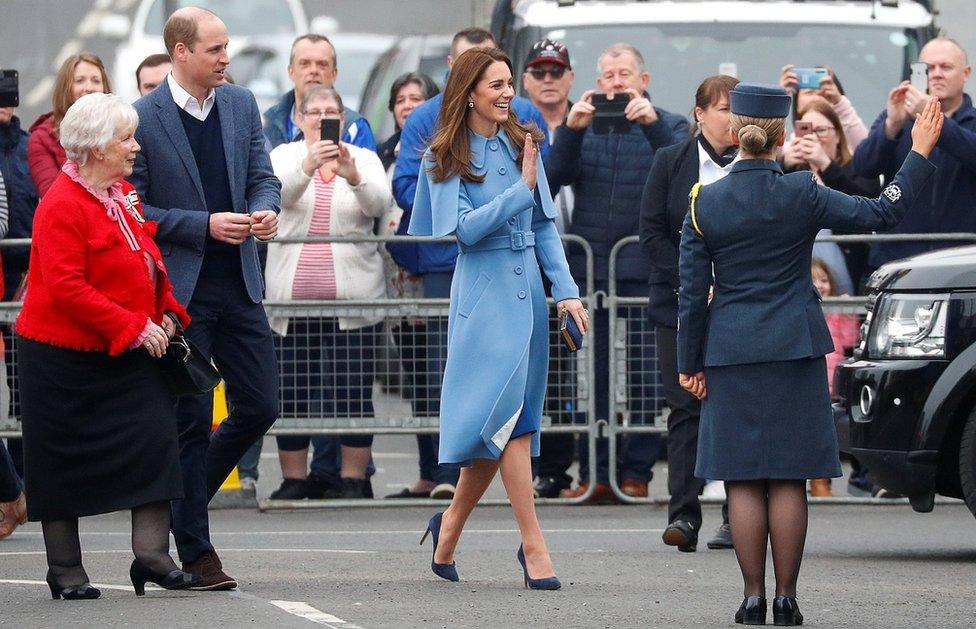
(809, 78)
(802, 128)
(920, 77)
(609, 116)
(9, 88)
(330, 129)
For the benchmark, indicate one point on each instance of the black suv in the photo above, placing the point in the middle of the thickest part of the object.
(908, 408)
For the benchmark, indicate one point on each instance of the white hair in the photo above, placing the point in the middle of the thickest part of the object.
(92, 121)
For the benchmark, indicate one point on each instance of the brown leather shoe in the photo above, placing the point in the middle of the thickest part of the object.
(12, 515)
(820, 488)
(602, 494)
(634, 487)
(208, 566)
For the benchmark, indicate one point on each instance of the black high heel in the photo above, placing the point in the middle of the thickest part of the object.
(443, 570)
(174, 580)
(786, 613)
(73, 593)
(752, 611)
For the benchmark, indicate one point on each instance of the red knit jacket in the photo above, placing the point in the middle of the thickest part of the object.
(86, 288)
(45, 155)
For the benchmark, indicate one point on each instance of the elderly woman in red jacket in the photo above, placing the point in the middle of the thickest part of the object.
(99, 422)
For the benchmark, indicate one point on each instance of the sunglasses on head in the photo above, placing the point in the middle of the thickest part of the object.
(555, 72)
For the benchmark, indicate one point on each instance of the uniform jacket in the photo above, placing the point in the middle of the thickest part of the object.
(946, 203)
(357, 130)
(608, 173)
(756, 229)
(21, 200)
(44, 152)
(664, 204)
(418, 130)
(88, 289)
(505, 233)
(358, 266)
(168, 181)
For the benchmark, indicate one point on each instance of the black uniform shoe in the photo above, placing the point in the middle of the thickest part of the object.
(320, 487)
(722, 538)
(785, 612)
(752, 611)
(682, 534)
(550, 486)
(291, 489)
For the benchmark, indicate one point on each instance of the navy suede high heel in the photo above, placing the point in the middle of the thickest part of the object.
(443, 570)
(549, 583)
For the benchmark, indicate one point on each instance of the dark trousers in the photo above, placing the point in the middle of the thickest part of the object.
(9, 480)
(637, 452)
(683, 422)
(326, 372)
(234, 331)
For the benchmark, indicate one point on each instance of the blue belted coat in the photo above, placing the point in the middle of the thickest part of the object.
(498, 327)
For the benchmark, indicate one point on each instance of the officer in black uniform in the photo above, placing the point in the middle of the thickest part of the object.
(755, 353)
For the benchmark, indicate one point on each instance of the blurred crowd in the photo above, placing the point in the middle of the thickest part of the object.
(337, 179)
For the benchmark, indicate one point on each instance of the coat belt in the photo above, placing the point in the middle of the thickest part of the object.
(516, 241)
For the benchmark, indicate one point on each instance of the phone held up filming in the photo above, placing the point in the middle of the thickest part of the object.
(609, 116)
(330, 130)
(920, 76)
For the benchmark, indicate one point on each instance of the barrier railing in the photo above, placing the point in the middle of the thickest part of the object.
(335, 350)
(637, 403)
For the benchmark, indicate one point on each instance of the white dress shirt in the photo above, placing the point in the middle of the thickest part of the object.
(708, 170)
(185, 101)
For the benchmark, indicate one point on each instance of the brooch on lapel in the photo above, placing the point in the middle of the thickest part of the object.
(132, 205)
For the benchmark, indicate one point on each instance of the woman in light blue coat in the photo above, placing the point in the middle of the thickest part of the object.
(482, 180)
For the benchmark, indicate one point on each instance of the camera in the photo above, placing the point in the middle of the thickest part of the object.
(809, 78)
(609, 116)
(9, 88)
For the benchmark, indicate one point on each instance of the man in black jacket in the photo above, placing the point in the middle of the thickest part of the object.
(607, 174)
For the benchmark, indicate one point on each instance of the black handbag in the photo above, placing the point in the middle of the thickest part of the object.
(185, 370)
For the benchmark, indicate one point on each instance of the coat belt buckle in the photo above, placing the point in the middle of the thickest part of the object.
(518, 240)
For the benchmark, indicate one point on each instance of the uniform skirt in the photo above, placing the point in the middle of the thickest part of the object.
(99, 431)
(767, 420)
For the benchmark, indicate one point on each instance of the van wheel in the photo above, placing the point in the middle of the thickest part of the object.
(967, 462)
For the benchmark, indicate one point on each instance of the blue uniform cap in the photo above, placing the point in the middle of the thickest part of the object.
(760, 101)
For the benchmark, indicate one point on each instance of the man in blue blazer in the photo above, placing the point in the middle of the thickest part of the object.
(205, 177)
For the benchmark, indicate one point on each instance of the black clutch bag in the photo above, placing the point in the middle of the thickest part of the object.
(185, 370)
(570, 332)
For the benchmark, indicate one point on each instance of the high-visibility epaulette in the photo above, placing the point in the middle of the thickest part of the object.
(695, 189)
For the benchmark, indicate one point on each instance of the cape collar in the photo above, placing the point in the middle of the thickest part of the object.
(479, 144)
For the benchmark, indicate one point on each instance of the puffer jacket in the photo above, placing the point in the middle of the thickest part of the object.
(607, 173)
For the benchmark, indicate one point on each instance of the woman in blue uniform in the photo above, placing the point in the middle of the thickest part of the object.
(482, 180)
(755, 354)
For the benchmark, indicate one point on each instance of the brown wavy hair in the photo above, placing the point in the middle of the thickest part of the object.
(61, 97)
(450, 147)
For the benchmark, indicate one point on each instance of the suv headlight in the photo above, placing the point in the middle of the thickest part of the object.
(909, 326)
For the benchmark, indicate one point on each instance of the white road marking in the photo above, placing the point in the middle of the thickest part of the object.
(306, 611)
(22, 533)
(333, 551)
(100, 586)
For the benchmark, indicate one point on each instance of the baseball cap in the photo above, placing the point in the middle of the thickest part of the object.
(548, 51)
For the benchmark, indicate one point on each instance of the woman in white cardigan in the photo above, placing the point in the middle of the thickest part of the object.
(327, 364)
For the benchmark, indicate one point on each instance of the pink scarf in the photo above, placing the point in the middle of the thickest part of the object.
(114, 203)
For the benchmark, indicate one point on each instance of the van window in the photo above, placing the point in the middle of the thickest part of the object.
(868, 61)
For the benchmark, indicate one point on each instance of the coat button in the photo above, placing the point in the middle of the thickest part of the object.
(511, 221)
(502, 170)
(493, 146)
(518, 270)
(521, 294)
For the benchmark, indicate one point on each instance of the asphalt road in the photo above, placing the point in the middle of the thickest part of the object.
(866, 566)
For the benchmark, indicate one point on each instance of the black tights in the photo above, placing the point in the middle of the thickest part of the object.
(768, 509)
(150, 544)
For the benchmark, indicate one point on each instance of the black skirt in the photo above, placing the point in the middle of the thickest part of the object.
(767, 420)
(99, 432)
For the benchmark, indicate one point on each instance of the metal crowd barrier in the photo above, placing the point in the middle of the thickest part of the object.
(637, 404)
(327, 374)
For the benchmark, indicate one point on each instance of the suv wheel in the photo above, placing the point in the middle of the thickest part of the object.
(967, 462)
